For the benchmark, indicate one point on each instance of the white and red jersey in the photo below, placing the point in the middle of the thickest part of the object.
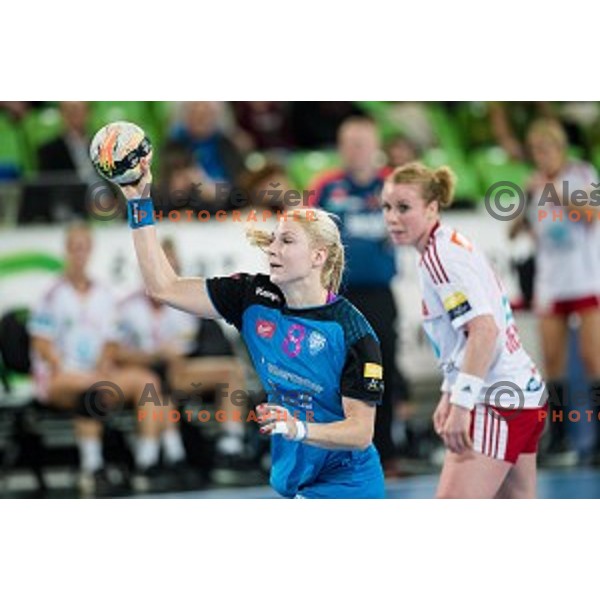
(142, 326)
(458, 285)
(78, 325)
(568, 251)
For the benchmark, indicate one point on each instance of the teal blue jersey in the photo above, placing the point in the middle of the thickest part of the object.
(307, 360)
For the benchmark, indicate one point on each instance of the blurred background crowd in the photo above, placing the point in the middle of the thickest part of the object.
(44, 146)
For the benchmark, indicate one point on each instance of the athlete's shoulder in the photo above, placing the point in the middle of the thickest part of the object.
(435, 255)
(352, 321)
(249, 288)
(323, 183)
(452, 242)
(446, 249)
(581, 169)
(261, 290)
(54, 290)
(385, 172)
(329, 177)
(133, 300)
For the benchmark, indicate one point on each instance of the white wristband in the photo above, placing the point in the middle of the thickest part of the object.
(281, 427)
(446, 388)
(301, 431)
(466, 390)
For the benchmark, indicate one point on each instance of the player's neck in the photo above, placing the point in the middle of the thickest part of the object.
(363, 175)
(303, 295)
(422, 242)
(78, 280)
(553, 174)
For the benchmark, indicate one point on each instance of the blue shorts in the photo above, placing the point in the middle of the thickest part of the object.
(374, 490)
(362, 483)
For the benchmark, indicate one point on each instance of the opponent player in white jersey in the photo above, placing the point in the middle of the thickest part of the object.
(567, 279)
(163, 339)
(73, 336)
(491, 412)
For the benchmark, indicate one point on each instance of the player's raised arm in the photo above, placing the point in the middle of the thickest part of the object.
(161, 281)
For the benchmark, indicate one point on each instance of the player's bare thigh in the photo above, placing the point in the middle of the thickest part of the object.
(136, 383)
(209, 372)
(65, 388)
(471, 475)
(589, 341)
(554, 333)
(521, 482)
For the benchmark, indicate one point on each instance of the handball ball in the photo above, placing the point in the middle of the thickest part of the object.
(117, 150)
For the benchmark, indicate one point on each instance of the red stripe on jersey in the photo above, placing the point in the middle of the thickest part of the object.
(428, 267)
(497, 438)
(439, 262)
(434, 264)
(472, 426)
(485, 433)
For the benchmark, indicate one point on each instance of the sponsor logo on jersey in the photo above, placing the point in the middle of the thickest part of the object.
(374, 385)
(338, 194)
(316, 343)
(260, 291)
(456, 305)
(265, 329)
(373, 371)
(534, 385)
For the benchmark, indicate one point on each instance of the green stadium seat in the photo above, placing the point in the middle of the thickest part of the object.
(382, 114)
(162, 113)
(105, 112)
(42, 126)
(304, 167)
(447, 132)
(493, 165)
(575, 153)
(467, 184)
(12, 156)
(135, 112)
(596, 157)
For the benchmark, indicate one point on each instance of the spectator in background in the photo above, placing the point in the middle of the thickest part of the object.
(266, 188)
(414, 121)
(353, 194)
(315, 124)
(212, 150)
(165, 340)
(73, 341)
(567, 273)
(265, 124)
(182, 184)
(511, 120)
(400, 151)
(69, 153)
(17, 109)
